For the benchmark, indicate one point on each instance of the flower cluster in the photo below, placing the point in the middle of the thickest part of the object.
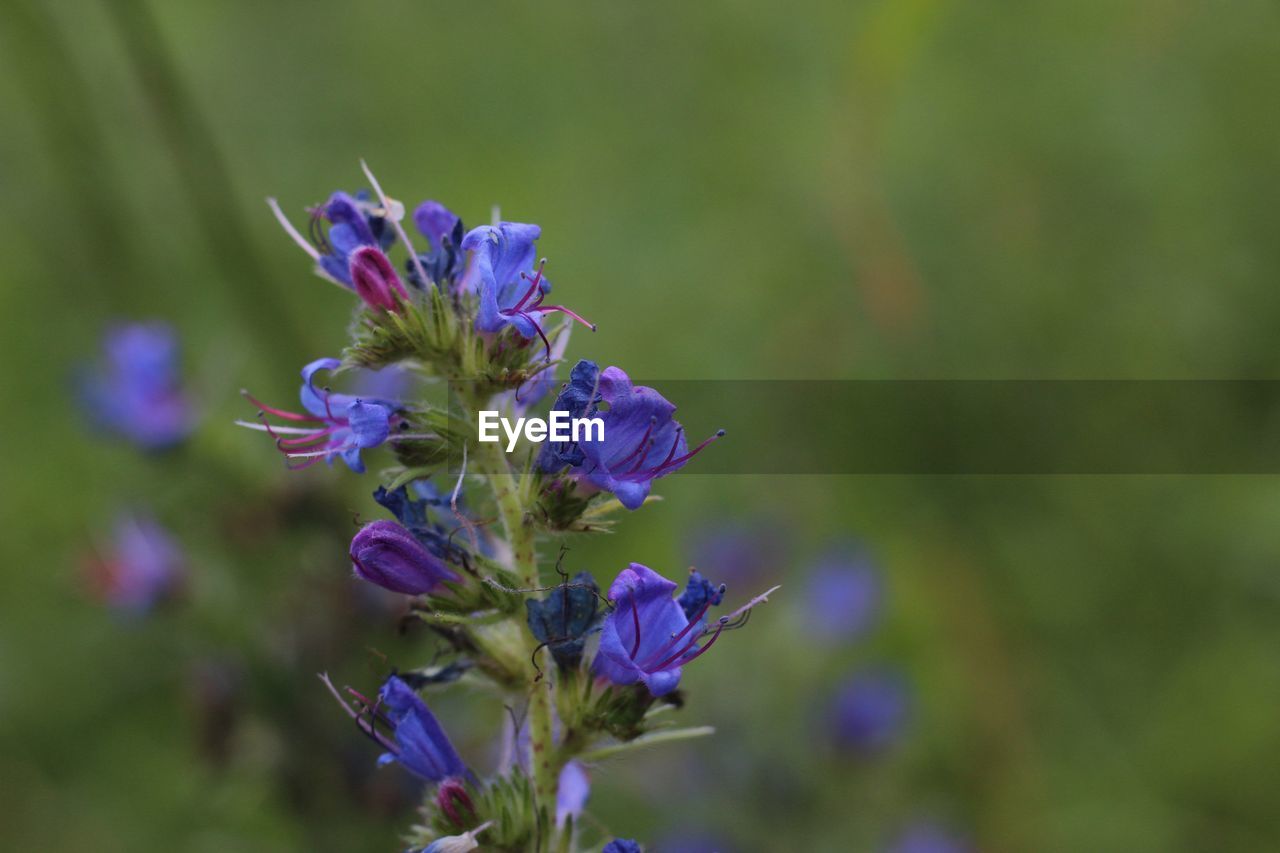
(588, 670)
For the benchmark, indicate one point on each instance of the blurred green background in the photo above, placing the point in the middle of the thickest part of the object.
(907, 189)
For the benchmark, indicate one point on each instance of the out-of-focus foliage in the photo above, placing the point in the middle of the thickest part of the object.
(735, 190)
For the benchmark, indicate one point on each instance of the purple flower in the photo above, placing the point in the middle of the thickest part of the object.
(925, 836)
(136, 391)
(642, 441)
(337, 425)
(843, 596)
(443, 229)
(647, 637)
(699, 594)
(869, 710)
(623, 845)
(420, 744)
(374, 279)
(143, 567)
(354, 222)
(573, 790)
(501, 273)
(388, 555)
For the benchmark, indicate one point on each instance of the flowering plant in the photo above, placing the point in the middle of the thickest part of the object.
(586, 671)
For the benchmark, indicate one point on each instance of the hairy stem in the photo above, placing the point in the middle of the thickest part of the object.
(510, 494)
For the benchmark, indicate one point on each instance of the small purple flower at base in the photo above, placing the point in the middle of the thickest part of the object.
(136, 392)
(869, 711)
(375, 281)
(927, 837)
(501, 273)
(623, 845)
(844, 595)
(388, 555)
(647, 637)
(143, 567)
(339, 426)
(571, 796)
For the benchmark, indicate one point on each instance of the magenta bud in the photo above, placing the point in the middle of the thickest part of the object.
(375, 280)
(386, 554)
(455, 803)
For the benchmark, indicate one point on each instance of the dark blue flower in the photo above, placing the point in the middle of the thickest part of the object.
(501, 273)
(445, 262)
(623, 845)
(143, 566)
(136, 391)
(699, 594)
(336, 425)
(420, 743)
(386, 554)
(579, 398)
(843, 596)
(869, 711)
(565, 618)
(647, 637)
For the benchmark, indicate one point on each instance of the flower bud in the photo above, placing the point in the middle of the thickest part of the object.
(386, 554)
(374, 278)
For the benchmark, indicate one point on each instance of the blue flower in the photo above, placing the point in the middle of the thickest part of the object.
(443, 229)
(501, 273)
(354, 222)
(136, 392)
(642, 441)
(337, 425)
(388, 555)
(623, 845)
(647, 637)
(143, 567)
(869, 710)
(844, 595)
(420, 744)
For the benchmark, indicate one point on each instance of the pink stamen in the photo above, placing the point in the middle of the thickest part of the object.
(644, 440)
(566, 311)
(692, 453)
(675, 638)
(699, 653)
(279, 413)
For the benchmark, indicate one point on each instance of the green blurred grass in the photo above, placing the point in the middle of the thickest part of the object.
(730, 190)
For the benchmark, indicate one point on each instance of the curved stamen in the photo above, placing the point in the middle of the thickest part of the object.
(279, 413)
(675, 638)
(643, 445)
(563, 310)
(699, 653)
(686, 457)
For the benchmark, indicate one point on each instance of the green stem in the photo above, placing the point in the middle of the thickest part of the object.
(510, 494)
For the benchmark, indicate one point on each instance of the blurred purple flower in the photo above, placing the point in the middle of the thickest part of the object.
(143, 567)
(843, 595)
(574, 788)
(337, 425)
(136, 391)
(869, 711)
(925, 836)
(739, 552)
